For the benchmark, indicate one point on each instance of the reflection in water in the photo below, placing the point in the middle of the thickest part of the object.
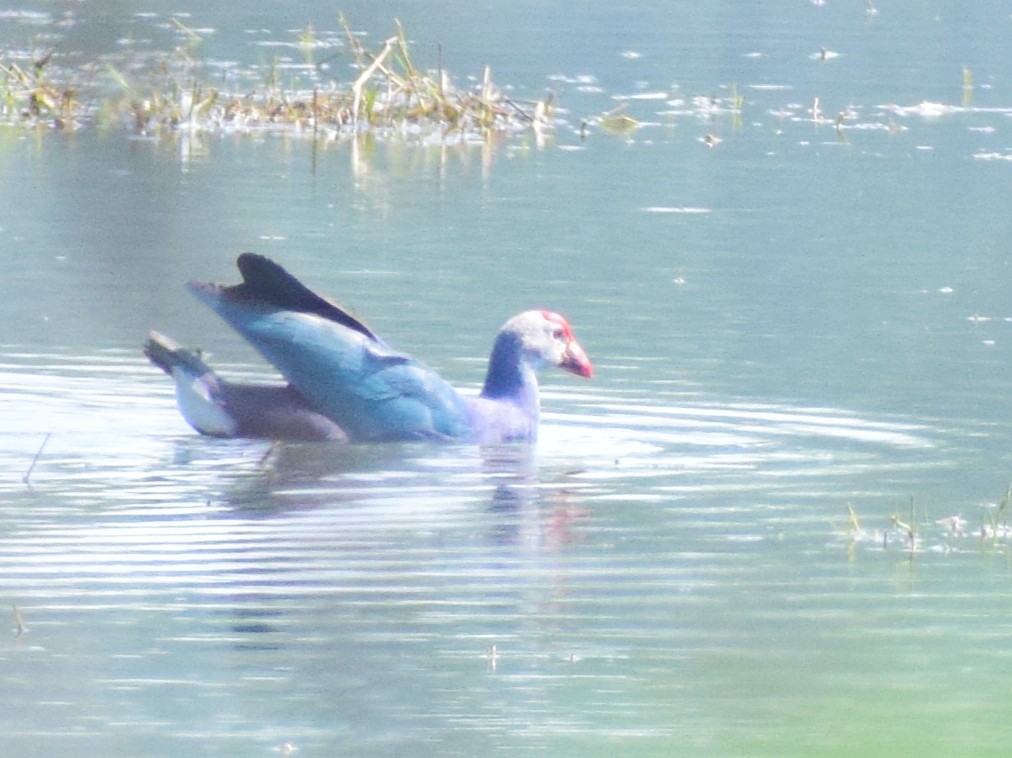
(300, 476)
(365, 495)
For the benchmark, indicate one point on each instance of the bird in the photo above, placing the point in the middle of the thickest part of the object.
(345, 382)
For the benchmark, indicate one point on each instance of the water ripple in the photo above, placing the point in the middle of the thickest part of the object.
(619, 550)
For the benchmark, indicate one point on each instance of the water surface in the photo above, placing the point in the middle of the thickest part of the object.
(768, 526)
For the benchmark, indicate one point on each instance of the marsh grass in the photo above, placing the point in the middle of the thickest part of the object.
(28, 94)
(994, 521)
(916, 532)
(172, 90)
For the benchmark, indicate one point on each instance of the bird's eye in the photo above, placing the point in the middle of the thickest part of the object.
(559, 334)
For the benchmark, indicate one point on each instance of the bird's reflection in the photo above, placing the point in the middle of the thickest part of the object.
(520, 503)
(260, 480)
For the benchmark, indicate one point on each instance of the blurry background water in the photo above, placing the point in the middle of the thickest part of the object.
(773, 522)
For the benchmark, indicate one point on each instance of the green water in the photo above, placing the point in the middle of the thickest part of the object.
(800, 334)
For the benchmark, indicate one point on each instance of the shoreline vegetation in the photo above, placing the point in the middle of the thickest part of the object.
(155, 92)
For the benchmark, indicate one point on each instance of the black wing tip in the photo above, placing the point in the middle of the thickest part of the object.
(255, 268)
(266, 280)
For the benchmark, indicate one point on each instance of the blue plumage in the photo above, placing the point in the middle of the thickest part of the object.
(346, 373)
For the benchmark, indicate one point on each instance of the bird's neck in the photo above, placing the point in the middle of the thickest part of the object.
(510, 376)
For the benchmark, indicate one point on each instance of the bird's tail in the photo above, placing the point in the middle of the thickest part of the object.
(200, 394)
(169, 355)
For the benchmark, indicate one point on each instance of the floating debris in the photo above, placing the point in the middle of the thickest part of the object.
(618, 121)
(955, 524)
(824, 54)
(676, 209)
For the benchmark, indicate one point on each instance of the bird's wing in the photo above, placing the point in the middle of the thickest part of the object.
(334, 361)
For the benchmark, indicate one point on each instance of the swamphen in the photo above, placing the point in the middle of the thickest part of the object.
(344, 381)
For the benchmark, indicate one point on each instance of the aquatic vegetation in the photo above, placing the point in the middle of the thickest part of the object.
(149, 92)
(160, 82)
(28, 94)
(914, 532)
(994, 520)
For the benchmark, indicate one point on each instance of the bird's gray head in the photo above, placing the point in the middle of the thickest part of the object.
(546, 339)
